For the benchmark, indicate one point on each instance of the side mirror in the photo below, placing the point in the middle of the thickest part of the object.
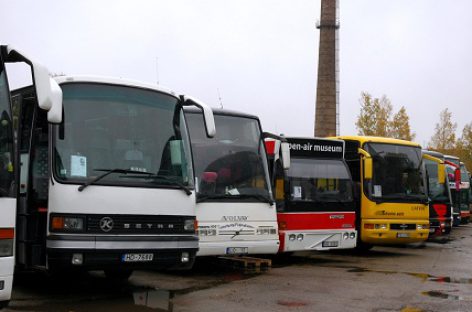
(207, 114)
(48, 92)
(368, 164)
(441, 173)
(285, 151)
(55, 113)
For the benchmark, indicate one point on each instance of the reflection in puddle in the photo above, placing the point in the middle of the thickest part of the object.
(451, 280)
(154, 299)
(439, 294)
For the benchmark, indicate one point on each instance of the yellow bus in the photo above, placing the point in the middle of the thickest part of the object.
(390, 189)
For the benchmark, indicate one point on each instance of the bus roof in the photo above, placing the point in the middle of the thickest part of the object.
(374, 139)
(451, 157)
(434, 154)
(113, 81)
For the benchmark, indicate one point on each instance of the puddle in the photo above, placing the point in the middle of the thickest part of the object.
(160, 300)
(292, 304)
(451, 280)
(439, 294)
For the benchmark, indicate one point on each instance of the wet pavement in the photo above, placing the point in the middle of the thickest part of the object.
(434, 276)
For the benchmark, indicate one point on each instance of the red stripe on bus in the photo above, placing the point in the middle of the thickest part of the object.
(7, 233)
(42, 209)
(318, 220)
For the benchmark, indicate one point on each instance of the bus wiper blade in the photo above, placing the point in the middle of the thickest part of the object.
(259, 197)
(165, 178)
(107, 172)
(202, 198)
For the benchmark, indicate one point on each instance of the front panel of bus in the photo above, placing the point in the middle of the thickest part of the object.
(122, 188)
(7, 195)
(394, 205)
(319, 210)
(464, 194)
(440, 201)
(235, 209)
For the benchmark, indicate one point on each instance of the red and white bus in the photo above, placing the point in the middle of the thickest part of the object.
(315, 203)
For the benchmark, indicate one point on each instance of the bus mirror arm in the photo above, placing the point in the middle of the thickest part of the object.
(207, 113)
(48, 92)
(284, 148)
(368, 165)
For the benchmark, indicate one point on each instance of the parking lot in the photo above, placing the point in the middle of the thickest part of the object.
(435, 276)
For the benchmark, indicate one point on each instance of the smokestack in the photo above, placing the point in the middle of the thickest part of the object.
(327, 92)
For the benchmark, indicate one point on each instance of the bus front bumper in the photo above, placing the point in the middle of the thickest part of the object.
(240, 247)
(6, 277)
(302, 240)
(101, 253)
(384, 234)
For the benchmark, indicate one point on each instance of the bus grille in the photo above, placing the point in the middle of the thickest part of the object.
(136, 224)
(403, 226)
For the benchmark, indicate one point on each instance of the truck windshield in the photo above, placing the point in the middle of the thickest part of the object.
(437, 191)
(232, 165)
(319, 180)
(121, 129)
(397, 173)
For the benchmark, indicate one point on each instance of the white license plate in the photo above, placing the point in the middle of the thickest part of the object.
(236, 250)
(403, 235)
(329, 244)
(137, 257)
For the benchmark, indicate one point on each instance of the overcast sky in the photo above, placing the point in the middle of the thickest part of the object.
(262, 56)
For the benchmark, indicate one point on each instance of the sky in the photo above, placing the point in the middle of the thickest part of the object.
(260, 56)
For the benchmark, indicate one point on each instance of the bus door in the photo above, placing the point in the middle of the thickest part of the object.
(7, 187)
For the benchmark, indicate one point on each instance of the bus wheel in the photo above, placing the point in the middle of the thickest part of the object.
(118, 275)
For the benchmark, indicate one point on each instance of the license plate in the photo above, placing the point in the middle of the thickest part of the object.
(236, 250)
(137, 257)
(329, 244)
(403, 235)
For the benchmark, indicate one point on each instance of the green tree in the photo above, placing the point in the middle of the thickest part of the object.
(444, 137)
(400, 126)
(464, 146)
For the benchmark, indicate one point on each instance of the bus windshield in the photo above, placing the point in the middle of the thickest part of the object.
(396, 173)
(137, 135)
(319, 180)
(437, 191)
(464, 174)
(232, 165)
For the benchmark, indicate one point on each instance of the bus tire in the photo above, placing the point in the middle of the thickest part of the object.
(118, 275)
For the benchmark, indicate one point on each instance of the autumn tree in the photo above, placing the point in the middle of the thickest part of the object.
(374, 116)
(400, 126)
(464, 146)
(444, 137)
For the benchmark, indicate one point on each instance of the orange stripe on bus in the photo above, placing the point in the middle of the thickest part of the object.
(7, 233)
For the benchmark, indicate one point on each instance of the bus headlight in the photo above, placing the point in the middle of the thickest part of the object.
(422, 226)
(72, 224)
(352, 235)
(381, 226)
(300, 237)
(189, 225)
(292, 237)
(345, 235)
(6, 242)
(206, 231)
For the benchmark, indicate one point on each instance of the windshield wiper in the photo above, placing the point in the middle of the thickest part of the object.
(165, 178)
(259, 197)
(110, 171)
